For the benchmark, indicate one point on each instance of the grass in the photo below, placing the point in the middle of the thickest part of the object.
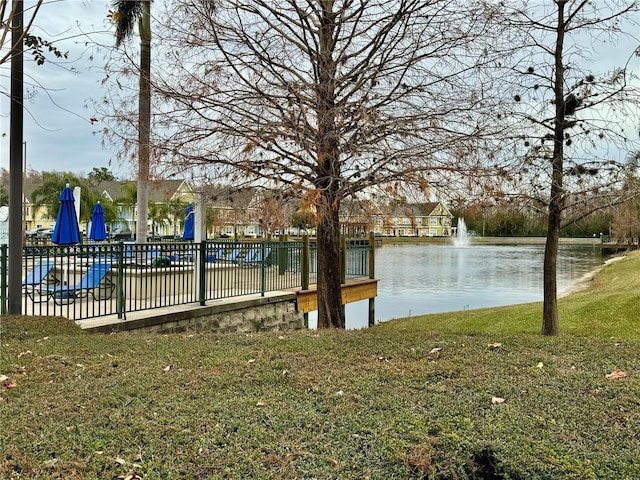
(412, 398)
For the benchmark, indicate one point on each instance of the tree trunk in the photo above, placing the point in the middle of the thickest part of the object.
(330, 312)
(550, 323)
(144, 123)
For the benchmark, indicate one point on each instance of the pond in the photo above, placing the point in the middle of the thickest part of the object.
(416, 279)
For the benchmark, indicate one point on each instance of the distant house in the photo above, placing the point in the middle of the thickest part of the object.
(360, 217)
(33, 218)
(430, 219)
(232, 212)
(169, 198)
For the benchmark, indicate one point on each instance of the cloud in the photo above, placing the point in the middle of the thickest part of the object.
(58, 130)
(57, 123)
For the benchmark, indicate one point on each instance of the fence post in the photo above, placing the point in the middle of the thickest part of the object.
(305, 261)
(3, 280)
(283, 259)
(120, 281)
(372, 275)
(201, 274)
(263, 273)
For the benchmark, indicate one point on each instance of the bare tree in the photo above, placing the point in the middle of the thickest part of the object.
(326, 97)
(625, 223)
(572, 125)
(273, 213)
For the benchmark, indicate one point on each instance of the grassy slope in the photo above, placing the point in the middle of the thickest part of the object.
(378, 403)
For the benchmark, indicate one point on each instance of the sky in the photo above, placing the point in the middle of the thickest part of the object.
(58, 130)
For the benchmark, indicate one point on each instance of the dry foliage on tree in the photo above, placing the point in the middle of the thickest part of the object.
(326, 99)
(330, 98)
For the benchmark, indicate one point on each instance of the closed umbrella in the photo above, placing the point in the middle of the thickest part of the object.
(189, 223)
(98, 230)
(66, 231)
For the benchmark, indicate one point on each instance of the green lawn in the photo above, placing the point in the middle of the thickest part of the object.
(425, 397)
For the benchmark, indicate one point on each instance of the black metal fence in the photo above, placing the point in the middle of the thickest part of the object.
(93, 280)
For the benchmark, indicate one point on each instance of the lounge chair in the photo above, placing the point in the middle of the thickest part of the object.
(94, 282)
(38, 281)
(214, 255)
(230, 255)
(261, 255)
(253, 256)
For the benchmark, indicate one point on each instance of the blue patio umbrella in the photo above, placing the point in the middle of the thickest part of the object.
(66, 231)
(98, 230)
(189, 223)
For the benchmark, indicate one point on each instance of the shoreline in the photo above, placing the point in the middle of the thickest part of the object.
(476, 240)
(534, 240)
(584, 282)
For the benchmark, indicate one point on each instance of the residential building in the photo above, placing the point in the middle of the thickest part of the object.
(430, 219)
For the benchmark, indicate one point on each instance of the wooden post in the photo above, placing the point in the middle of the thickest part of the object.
(372, 275)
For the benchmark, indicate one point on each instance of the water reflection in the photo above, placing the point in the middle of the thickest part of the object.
(418, 279)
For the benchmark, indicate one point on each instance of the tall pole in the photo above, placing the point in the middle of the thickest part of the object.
(15, 161)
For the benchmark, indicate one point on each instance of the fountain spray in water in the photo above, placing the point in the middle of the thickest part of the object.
(462, 237)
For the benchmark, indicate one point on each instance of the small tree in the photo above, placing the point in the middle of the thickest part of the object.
(303, 220)
(570, 123)
(158, 214)
(100, 174)
(176, 213)
(47, 195)
(328, 98)
(273, 214)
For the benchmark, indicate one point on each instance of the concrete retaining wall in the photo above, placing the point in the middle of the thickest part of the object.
(256, 315)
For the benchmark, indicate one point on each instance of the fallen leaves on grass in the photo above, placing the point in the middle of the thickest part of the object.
(497, 400)
(616, 374)
(130, 476)
(494, 345)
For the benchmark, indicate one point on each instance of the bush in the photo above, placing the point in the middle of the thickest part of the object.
(161, 262)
